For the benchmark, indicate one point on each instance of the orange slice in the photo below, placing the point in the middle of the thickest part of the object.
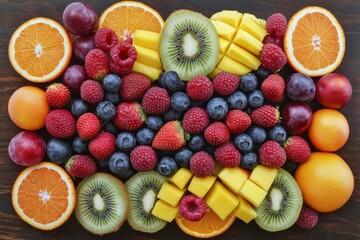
(127, 16)
(314, 42)
(209, 226)
(40, 50)
(44, 196)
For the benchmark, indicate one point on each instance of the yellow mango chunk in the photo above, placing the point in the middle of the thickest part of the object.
(181, 178)
(252, 192)
(148, 56)
(170, 194)
(230, 65)
(164, 211)
(200, 186)
(252, 26)
(230, 17)
(263, 176)
(245, 211)
(151, 72)
(224, 30)
(243, 56)
(147, 39)
(223, 45)
(233, 178)
(247, 41)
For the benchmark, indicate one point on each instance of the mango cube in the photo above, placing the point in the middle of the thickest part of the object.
(164, 211)
(263, 176)
(230, 17)
(148, 56)
(200, 186)
(248, 42)
(252, 192)
(233, 178)
(150, 71)
(221, 200)
(181, 178)
(224, 30)
(170, 194)
(147, 39)
(241, 55)
(252, 26)
(230, 65)
(245, 211)
(223, 45)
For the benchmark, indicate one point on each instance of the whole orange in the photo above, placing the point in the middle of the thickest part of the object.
(28, 108)
(325, 180)
(328, 130)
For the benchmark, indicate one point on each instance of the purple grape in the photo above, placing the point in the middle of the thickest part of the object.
(80, 18)
(300, 87)
(74, 76)
(83, 44)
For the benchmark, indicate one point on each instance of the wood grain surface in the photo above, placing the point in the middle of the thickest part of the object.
(341, 224)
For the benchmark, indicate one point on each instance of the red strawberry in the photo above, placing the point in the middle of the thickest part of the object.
(200, 88)
(170, 137)
(81, 166)
(272, 57)
(58, 95)
(156, 101)
(226, 83)
(273, 88)
(143, 158)
(97, 64)
(202, 164)
(265, 116)
(134, 86)
(88, 126)
(60, 123)
(217, 133)
(91, 91)
(271, 154)
(129, 116)
(195, 120)
(102, 146)
(297, 149)
(228, 155)
(237, 121)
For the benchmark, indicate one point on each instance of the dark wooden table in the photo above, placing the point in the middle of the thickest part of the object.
(341, 224)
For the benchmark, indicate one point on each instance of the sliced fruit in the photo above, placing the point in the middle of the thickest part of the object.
(230, 65)
(241, 55)
(263, 176)
(233, 178)
(224, 30)
(147, 39)
(151, 72)
(247, 41)
(252, 192)
(171, 194)
(251, 25)
(200, 186)
(44, 196)
(40, 50)
(148, 56)
(181, 178)
(230, 17)
(245, 211)
(164, 211)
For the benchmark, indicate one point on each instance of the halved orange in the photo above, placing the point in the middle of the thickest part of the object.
(210, 225)
(127, 16)
(314, 42)
(40, 50)
(44, 196)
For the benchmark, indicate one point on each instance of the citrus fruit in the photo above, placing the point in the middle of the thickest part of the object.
(209, 226)
(44, 196)
(325, 180)
(40, 49)
(328, 130)
(28, 108)
(127, 16)
(314, 42)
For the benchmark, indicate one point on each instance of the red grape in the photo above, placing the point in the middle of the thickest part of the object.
(74, 76)
(82, 45)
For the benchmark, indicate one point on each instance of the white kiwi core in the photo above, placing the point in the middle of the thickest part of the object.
(190, 45)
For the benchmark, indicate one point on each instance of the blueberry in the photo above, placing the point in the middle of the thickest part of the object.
(180, 102)
(262, 72)
(112, 83)
(79, 107)
(119, 163)
(114, 98)
(196, 143)
(237, 100)
(249, 160)
(278, 134)
(154, 123)
(244, 142)
(257, 133)
(111, 128)
(171, 115)
(105, 110)
(144, 136)
(248, 82)
(217, 108)
(79, 146)
(125, 141)
(182, 157)
(58, 151)
(161, 80)
(172, 81)
(167, 166)
(255, 99)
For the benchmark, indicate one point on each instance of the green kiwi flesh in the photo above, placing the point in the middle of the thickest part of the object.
(143, 188)
(189, 44)
(282, 205)
(102, 203)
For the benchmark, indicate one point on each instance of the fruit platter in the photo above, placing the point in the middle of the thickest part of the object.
(179, 119)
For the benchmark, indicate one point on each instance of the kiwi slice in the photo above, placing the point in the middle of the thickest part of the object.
(143, 188)
(102, 203)
(189, 44)
(282, 205)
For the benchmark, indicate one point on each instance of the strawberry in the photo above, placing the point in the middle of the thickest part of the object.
(102, 146)
(156, 101)
(143, 158)
(228, 155)
(297, 149)
(237, 121)
(200, 88)
(81, 166)
(217, 133)
(60, 123)
(170, 137)
(195, 120)
(273, 88)
(271, 154)
(88, 126)
(129, 116)
(226, 83)
(58, 95)
(134, 85)
(97, 64)
(92, 91)
(265, 116)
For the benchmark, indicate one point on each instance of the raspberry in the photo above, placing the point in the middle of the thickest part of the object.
(91, 91)
(226, 83)
(273, 88)
(276, 41)
(102, 146)
(192, 207)
(58, 95)
(276, 25)
(88, 126)
(105, 39)
(156, 101)
(134, 86)
(217, 133)
(237, 121)
(123, 56)
(202, 164)
(60, 123)
(97, 64)
(143, 158)
(81, 166)
(271, 154)
(308, 218)
(272, 57)
(228, 155)
(200, 88)
(195, 120)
